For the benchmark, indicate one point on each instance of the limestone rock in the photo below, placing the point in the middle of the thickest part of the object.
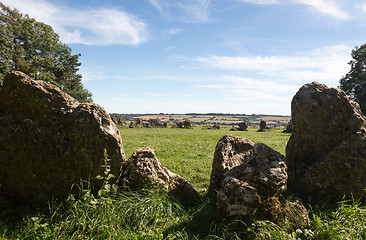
(257, 187)
(231, 151)
(261, 176)
(49, 141)
(144, 169)
(327, 150)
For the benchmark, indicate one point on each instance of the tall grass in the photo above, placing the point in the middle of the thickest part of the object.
(151, 214)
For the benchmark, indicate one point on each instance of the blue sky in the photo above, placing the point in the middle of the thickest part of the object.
(228, 56)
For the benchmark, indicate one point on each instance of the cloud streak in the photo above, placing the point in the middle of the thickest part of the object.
(332, 8)
(90, 27)
(324, 65)
(189, 11)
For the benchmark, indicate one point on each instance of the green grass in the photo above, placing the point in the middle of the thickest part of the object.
(189, 152)
(150, 213)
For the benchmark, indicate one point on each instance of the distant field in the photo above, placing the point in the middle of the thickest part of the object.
(189, 152)
(222, 119)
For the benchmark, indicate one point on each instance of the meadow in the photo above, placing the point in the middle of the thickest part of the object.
(189, 152)
(151, 214)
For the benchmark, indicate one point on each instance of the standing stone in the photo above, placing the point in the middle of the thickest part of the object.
(327, 150)
(49, 141)
(144, 169)
(262, 126)
(257, 187)
(288, 127)
(243, 126)
(139, 122)
(230, 152)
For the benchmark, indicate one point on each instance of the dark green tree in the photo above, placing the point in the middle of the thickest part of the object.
(354, 82)
(34, 48)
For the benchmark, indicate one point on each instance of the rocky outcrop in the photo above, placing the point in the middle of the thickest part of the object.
(230, 151)
(144, 169)
(49, 141)
(327, 150)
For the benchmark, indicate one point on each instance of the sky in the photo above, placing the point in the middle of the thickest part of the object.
(204, 56)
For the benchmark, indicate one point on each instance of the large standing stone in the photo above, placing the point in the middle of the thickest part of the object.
(230, 152)
(49, 141)
(257, 187)
(327, 150)
(144, 169)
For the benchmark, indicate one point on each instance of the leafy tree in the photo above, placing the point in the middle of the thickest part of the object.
(354, 83)
(35, 49)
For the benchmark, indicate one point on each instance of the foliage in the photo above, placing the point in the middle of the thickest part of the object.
(151, 214)
(354, 82)
(34, 48)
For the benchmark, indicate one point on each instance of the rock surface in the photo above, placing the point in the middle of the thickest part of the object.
(49, 141)
(262, 126)
(257, 187)
(144, 169)
(261, 176)
(327, 150)
(230, 151)
(243, 126)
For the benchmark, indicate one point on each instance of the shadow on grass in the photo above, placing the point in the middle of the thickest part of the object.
(205, 223)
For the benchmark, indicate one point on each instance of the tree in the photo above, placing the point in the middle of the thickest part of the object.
(34, 48)
(354, 82)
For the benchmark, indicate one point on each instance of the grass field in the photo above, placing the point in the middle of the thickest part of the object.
(150, 213)
(189, 152)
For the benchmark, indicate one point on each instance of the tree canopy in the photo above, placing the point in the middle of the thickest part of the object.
(34, 48)
(354, 82)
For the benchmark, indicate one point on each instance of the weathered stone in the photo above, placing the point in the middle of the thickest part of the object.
(179, 124)
(327, 150)
(187, 123)
(243, 126)
(257, 187)
(230, 152)
(144, 169)
(138, 122)
(288, 127)
(49, 141)
(262, 126)
(154, 122)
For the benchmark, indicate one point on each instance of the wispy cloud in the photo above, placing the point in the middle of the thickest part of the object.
(329, 7)
(89, 26)
(190, 11)
(326, 65)
(261, 2)
(332, 8)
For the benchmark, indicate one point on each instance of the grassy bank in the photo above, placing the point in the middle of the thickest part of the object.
(150, 214)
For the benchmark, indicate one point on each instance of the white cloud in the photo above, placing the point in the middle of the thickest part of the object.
(261, 2)
(325, 65)
(190, 11)
(329, 7)
(91, 26)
